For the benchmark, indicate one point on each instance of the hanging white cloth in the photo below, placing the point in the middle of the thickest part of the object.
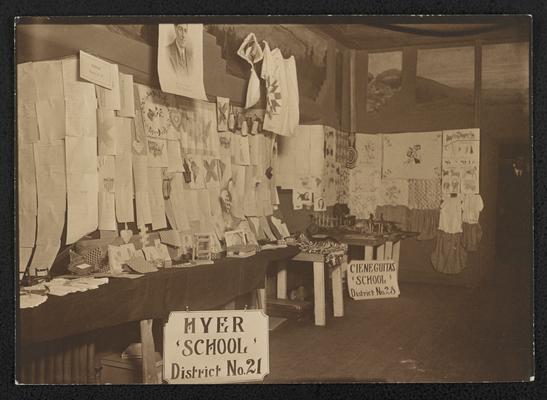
(251, 52)
(282, 99)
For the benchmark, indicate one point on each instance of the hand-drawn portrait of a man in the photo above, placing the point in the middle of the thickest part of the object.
(180, 51)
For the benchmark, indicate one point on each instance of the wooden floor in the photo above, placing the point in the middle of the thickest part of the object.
(429, 334)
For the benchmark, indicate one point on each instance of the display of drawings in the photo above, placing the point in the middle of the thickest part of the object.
(461, 161)
(130, 153)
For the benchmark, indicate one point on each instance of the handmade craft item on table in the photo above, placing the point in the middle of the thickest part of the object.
(202, 247)
(324, 247)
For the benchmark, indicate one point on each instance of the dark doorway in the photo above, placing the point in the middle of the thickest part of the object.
(514, 211)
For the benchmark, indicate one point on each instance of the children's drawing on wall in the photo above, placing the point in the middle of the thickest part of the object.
(440, 79)
(384, 78)
(413, 155)
(180, 59)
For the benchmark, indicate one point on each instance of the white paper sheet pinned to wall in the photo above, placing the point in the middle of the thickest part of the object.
(155, 195)
(48, 76)
(49, 161)
(127, 105)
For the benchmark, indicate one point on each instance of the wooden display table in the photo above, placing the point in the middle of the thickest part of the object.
(318, 262)
(56, 339)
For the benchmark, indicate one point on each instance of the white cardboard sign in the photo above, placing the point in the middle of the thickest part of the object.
(375, 279)
(205, 347)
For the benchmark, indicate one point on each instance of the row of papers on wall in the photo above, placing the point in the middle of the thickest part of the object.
(323, 166)
(90, 157)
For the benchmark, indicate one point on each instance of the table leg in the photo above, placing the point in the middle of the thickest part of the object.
(261, 297)
(149, 371)
(380, 252)
(396, 251)
(337, 296)
(282, 282)
(319, 293)
(388, 254)
(369, 250)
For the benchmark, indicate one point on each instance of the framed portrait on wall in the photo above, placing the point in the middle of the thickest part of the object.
(180, 59)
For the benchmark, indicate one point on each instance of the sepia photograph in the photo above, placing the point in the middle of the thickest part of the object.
(273, 200)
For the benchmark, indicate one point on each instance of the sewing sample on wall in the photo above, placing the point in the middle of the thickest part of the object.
(180, 59)
(424, 194)
(106, 166)
(282, 100)
(394, 192)
(461, 161)
(365, 178)
(169, 117)
(412, 155)
(300, 156)
(223, 106)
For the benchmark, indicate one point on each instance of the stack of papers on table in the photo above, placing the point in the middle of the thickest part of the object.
(62, 286)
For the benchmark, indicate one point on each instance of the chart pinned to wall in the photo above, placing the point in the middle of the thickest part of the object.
(461, 161)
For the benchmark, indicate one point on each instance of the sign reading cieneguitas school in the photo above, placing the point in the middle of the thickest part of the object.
(215, 347)
(373, 279)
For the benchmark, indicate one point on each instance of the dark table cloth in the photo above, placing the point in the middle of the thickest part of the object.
(151, 296)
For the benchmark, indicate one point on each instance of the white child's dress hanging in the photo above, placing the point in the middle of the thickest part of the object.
(282, 109)
(251, 52)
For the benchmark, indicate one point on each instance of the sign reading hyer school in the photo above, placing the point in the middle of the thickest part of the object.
(216, 347)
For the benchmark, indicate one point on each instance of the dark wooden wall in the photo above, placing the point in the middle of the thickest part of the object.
(35, 42)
